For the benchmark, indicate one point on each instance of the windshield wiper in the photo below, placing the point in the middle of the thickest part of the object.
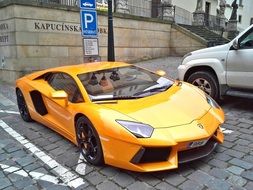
(118, 98)
(156, 89)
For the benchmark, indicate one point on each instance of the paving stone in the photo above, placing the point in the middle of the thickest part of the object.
(232, 138)
(234, 153)
(58, 151)
(218, 163)
(232, 122)
(88, 188)
(249, 185)
(123, 179)
(241, 163)
(218, 184)
(1, 174)
(15, 177)
(10, 188)
(191, 185)
(149, 179)
(24, 161)
(235, 187)
(175, 179)
(246, 137)
(164, 186)
(140, 186)
(13, 149)
(246, 131)
(109, 171)
(219, 173)
(247, 121)
(95, 178)
(236, 180)
(227, 144)
(4, 182)
(50, 147)
(235, 170)
(248, 175)
(31, 187)
(27, 181)
(248, 159)
(32, 166)
(222, 156)
(4, 156)
(18, 154)
(242, 148)
(244, 125)
(184, 170)
(220, 149)
(45, 184)
(107, 185)
(242, 142)
(200, 177)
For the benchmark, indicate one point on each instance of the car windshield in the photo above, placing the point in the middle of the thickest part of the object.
(123, 83)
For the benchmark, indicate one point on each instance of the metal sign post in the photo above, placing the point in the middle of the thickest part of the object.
(88, 15)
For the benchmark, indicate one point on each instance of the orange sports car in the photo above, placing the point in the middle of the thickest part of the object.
(123, 115)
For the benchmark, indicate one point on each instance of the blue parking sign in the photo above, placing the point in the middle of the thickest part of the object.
(89, 23)
(87, 4)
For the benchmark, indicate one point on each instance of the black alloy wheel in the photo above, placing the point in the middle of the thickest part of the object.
(22, 106)
(88, 141)
(207, 82)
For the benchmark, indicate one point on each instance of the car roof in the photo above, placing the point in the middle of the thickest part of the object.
(80, 68)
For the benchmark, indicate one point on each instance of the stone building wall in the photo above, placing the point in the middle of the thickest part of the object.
(34, 38)
(183, 42)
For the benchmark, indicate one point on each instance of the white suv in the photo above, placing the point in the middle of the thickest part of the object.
(222, 70)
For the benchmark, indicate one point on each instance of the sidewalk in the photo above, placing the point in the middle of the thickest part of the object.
(168, 64)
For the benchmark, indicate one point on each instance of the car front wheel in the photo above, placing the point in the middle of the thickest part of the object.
(206, 81)
(88, 141)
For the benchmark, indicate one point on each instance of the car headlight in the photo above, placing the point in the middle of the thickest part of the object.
(140, 130)
(212, 102)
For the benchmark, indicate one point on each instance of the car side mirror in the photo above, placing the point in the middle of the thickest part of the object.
(61, 97)
(236, 45)
(160, 73)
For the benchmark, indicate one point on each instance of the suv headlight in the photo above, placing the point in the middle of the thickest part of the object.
(212, 102)
(140, 130)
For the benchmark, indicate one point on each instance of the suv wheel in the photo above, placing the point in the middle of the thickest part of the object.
(206, 81)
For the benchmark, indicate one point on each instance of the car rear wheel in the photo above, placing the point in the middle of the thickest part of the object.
(88, 141)
(206, 81)
(22, 106)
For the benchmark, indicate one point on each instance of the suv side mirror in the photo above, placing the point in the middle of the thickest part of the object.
(61, 97)
(236, 44)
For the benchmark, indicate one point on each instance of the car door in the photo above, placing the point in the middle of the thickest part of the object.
(58, 113)
(240, 63)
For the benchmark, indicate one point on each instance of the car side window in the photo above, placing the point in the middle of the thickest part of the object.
(247, 41)
(62, 81)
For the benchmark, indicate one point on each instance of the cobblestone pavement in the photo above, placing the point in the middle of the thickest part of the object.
(35, 157)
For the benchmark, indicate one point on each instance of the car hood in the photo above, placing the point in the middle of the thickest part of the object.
(177, 106)
(218, 48)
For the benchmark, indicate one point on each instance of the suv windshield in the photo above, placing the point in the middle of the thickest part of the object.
(123, 83)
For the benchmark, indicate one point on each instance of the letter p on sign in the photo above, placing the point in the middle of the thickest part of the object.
(89, 23)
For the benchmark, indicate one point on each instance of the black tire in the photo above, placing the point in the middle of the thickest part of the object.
(88, 141)
(22, 106)
(207, 82)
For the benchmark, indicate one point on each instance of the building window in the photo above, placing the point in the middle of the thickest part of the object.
(240, 18)
(240, 3)
(251, 21)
